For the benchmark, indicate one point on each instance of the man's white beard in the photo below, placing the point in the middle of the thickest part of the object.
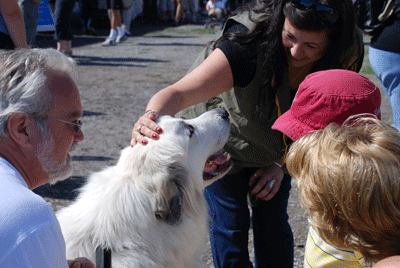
(55, 172)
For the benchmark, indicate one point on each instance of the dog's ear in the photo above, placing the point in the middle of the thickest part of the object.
(168, 206)
(170, 213)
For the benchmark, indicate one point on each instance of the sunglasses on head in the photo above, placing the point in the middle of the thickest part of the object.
(325, 13)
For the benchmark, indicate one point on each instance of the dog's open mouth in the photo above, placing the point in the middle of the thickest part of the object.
(217, 164)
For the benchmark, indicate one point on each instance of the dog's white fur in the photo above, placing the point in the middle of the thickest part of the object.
(133, 208)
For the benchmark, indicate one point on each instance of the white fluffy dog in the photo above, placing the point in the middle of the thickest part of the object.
(149, 210)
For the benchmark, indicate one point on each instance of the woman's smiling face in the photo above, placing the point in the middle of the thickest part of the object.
(303, 47)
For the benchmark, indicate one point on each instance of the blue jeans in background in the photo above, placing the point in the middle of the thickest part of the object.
(386, 66)
(230, 222)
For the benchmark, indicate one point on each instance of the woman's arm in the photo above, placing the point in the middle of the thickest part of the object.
(211, 78)
(14, 20)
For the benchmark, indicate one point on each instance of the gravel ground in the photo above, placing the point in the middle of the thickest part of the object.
(117, 82)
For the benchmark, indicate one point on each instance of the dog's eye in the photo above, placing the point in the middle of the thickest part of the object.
(191, 130)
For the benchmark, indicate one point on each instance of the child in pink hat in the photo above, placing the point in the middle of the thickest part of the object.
(328, 96)
(325, 97)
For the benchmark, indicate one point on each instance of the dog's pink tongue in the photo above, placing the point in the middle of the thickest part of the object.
(220, 159)
(212, 165)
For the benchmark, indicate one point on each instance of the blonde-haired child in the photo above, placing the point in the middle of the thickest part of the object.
(349, 182)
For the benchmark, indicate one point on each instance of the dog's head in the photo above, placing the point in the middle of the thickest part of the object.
(202, 140)
(186, 158)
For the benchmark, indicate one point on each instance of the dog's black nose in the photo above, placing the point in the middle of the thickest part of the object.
(225, 114)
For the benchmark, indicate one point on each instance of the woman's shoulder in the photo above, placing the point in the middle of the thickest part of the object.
(246, 18)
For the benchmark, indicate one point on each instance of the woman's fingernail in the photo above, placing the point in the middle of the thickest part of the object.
(159, 130)
(144, 142)
(155, 136)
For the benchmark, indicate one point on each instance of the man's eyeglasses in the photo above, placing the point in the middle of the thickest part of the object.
(77, 126)
(325, 13)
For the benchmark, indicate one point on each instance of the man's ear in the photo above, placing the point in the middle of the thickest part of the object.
(20, 128)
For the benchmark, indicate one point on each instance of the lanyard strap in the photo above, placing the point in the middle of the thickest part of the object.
(284, 136)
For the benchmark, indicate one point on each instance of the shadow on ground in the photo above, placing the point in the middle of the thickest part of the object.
(66, 190)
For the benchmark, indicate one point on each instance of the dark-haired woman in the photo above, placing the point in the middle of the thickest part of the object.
(253, 71)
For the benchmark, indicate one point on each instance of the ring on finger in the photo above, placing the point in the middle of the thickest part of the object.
(139, 128)
(271, 183)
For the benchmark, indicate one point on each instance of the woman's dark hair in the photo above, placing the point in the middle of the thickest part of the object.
(341, 33)
(269, 17)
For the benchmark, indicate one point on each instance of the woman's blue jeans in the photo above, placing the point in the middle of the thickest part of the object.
(230, 222)
(386, 66)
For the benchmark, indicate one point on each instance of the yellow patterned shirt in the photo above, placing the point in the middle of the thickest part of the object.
(320, 254)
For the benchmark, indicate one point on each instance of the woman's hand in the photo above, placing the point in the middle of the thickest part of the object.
(80, 263)
(267, 182)
(145, 127)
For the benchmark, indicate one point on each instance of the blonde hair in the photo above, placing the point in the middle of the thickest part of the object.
(349, 182)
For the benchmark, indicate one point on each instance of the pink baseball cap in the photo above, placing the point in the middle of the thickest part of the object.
(328, 96)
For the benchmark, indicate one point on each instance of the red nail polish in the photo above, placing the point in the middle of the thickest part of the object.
(159, 130)
(155, 136)
(144, 142)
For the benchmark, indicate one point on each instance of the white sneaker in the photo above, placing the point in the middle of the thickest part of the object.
(109, 42)
(126, 29)
(121, 38)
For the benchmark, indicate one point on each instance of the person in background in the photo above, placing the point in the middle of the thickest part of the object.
(61, 11)
(166, 8)
(127, 14)
(191, 8)
(88, 14)
(39, 125)
(349, 183)
(384, 56)
(180, 15)
(117, 32)
(12, 28)
(253, 70)
(216, 10)
(30, 11)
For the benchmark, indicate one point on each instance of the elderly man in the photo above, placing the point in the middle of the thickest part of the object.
(40, 113)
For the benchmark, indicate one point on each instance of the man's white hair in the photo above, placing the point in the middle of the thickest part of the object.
(24, 81)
